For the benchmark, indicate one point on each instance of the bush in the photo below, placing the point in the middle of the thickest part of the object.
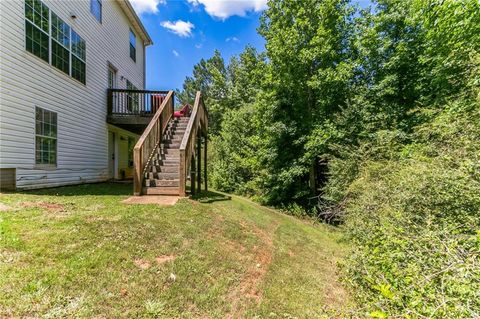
(414, 218)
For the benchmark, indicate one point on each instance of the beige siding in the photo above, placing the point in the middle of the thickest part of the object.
(27, 81)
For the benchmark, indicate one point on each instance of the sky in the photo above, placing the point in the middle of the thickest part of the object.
(185, 31)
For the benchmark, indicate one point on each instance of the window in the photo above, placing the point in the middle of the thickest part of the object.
(60, 44)
(51, 39)
(132, 98)
(112, 77)
(45, 137)
(78, 58)
(133, 46)
(96, 9)
(37, 28)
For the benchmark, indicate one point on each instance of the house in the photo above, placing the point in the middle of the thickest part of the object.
(57, 61)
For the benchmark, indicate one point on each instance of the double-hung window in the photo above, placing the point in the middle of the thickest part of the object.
(96, 9)
(132, 98)
(133, 46)
(37, 24)
(45, 137)
(60, 44)
(51, 39)
(79, 61)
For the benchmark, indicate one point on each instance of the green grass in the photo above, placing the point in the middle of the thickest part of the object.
(78, 252)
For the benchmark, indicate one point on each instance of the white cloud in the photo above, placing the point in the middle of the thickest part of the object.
(179, 27)
(175, 53)
(198, 46)
(223, 9)
(232, 39)
(146, 6)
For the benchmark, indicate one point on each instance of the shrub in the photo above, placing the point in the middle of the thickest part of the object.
(414, 218)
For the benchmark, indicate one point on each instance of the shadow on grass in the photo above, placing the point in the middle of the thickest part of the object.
(96, 189)
(208, 197)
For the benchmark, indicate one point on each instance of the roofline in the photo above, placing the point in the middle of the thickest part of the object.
(135, 20)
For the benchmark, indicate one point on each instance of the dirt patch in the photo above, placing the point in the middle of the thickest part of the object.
(160, 260)
(142, 263)
(250, 282)
(335, 293)
(164, 258)
(4, 207)
(51, 207)
(150, 199)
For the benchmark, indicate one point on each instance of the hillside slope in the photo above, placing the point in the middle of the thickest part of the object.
(78, 252)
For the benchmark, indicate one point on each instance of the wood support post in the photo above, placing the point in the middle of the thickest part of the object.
(192, 177)
(183, 174)
(199, 164)
(205, 163)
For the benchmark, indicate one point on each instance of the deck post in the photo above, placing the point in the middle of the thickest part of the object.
(205, 163)
(199, 164)
(183, 174)
(192, 176)
(137, 172)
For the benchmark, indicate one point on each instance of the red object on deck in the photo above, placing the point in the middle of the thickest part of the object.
(183, 111)
(157, 100)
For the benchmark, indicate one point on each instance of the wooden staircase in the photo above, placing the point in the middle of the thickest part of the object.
(163, 174)
(170, 148)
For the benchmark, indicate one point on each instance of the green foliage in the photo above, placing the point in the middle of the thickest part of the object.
(415, 220)
(380, 108)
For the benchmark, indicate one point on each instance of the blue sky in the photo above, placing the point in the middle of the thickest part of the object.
(185, 31)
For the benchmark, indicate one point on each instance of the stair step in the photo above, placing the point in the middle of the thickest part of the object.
(161, 190)
(169, 169)
(175, 145)
(163, 168)
(170, 162)
(168, 175)
(168, 156)
(166, 183)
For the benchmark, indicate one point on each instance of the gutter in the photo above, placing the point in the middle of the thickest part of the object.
(135, 20)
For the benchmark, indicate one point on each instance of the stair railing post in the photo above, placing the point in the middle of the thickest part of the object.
(137, 175)
(183, 175)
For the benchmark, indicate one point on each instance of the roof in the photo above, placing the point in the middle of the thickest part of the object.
(135, 21)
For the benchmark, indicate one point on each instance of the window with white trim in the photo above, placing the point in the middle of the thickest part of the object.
(45, 137)
(51, 39)
(133, 46)
(37, 30)
(132, 97)
(96, 9)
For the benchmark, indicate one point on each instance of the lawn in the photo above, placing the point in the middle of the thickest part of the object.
(79, 252)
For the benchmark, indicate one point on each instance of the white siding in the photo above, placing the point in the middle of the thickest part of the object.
(27, 81)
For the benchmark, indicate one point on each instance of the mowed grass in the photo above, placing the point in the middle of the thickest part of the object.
(78, 252)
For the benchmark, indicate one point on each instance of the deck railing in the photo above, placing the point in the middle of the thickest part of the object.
(151, 138)
(198, 122)
(134, 102)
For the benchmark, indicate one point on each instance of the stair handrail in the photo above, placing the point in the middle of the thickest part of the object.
(150, 140)
(198, 120)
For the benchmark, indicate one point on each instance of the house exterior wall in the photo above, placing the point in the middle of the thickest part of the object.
(26, 81)
(121, 144)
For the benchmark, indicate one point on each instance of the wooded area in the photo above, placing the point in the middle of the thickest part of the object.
(372, 118)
